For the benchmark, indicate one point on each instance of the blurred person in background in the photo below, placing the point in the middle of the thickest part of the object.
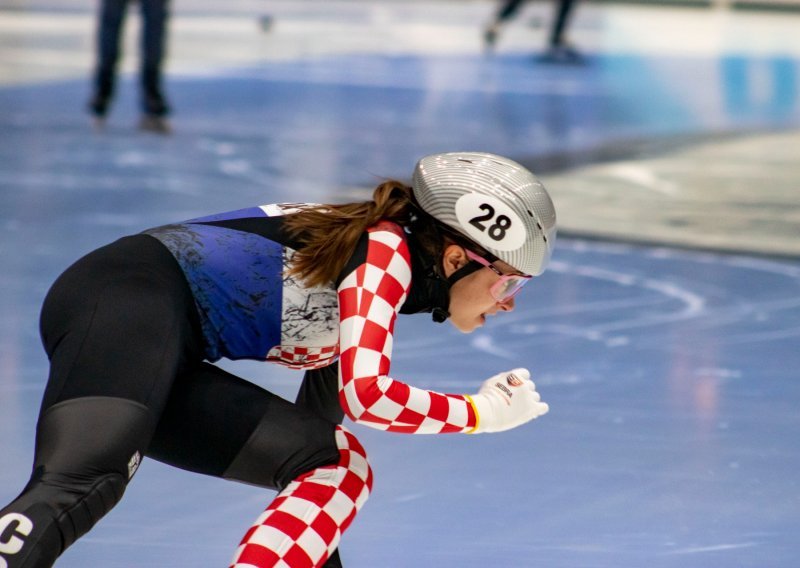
(558, 50)
(110, 23)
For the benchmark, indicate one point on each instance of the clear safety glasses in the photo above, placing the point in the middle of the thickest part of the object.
(508, 285)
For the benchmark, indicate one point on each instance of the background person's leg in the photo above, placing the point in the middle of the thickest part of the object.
(558, 50)
(153, 46)
(109, 29)
(507, 10)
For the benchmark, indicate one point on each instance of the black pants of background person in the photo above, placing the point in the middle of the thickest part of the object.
(509, 8)
(127, 380)
(152, 46)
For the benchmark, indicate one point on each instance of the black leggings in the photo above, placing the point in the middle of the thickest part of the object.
(127, 380)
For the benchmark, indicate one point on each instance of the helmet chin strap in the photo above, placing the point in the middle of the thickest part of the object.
(440, 312)
(436, 284)
(439, 293)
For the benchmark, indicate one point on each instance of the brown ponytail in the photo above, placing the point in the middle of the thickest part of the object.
(329, 233)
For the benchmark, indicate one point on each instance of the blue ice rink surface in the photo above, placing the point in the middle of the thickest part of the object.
(671, 374)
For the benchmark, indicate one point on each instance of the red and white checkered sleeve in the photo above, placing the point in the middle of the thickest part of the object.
(369, 300)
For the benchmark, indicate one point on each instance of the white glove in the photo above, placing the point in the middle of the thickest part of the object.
(505, 401)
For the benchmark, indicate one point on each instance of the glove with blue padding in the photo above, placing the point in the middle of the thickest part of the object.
(505, 401)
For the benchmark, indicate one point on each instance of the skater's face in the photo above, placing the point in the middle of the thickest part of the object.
(472, 298)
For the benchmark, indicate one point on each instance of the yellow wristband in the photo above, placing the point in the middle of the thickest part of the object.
(477, 415)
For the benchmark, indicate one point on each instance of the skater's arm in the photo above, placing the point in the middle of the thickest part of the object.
(369, 300)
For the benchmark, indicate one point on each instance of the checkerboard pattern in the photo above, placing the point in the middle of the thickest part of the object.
(303, 525)
(296, 357)
(369, 300)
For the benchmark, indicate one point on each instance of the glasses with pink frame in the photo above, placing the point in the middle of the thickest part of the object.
(508, 285)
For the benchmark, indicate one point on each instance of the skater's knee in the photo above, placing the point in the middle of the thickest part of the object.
(86, 451)
(92, 505)
(52, 513)
(353, 457)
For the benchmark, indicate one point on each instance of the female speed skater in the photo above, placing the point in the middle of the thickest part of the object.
(132, 330)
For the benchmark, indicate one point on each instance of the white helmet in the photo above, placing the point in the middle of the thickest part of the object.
(493, 201)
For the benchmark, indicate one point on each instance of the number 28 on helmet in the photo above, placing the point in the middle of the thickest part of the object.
(492, 201)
